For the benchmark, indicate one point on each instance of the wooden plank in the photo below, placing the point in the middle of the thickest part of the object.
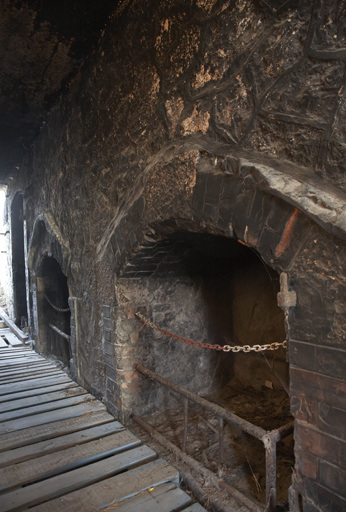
(45, 407)
(26, 362)
(26, 393)
(52, 416)
(20, 334)
(35, 450)
(23, 359)
(52, 430)
(26, 373)
(28, 378)
(13, 340)
(19, 358)
(196, 507)
(41, 399)
(3, 343)
(66, 460)
(20, 363)
(75, 479)
(32, 384)
(14, 372)
(16, 352)
(114, 489)
(163, 498)
(5, 357)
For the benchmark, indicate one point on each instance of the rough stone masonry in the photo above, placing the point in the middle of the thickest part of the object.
(216, 116)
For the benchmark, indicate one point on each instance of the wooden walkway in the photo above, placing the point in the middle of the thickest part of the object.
(61, 451)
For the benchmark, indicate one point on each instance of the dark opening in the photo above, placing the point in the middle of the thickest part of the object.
(213, 290)
(18, 262)
(53, 296)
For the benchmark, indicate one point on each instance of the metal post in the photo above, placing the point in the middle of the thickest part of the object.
(186, 412)
(221, 447)
(269, 442)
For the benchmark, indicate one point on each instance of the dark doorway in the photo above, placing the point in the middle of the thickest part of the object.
(18, 262)
(53, 311)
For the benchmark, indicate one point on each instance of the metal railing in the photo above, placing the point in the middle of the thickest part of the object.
(268, 438)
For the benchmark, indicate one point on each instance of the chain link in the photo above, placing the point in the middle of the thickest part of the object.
(223, 348)
(55, 307)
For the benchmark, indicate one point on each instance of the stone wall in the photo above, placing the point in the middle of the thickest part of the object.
(220, 117)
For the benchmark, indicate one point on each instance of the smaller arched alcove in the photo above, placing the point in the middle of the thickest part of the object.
(53, 311)
(18, 263)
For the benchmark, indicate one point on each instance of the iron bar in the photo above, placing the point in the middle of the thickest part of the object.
(196, 466)
(232, 418)
(270, 450)
(209, 425)
(186, 418)
(64, 335)
(221, 448)
(285, 430)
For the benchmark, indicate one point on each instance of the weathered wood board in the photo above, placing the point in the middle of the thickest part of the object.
(13, 340)
(113, 490)
(40, 382)
(46, 407)
(66, 459)
(163, 498)
(52, 430)
(32, 451)
(52, 416)
(68, 482)
(44, 398)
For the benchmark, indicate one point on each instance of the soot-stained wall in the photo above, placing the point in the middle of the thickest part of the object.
(223, 117)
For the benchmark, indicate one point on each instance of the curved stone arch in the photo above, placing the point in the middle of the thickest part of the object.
(231, 206)
(45, 227)
(216, 192)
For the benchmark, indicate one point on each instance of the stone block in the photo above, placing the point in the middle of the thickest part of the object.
(108, 323)
(108, 348)
(213, 189)
(199, 195)
(319, 387)
(267, 245)
(111, 372)
(106, 311)
(333, 477)
(211, 213)
(107, 335)
(332, 420)
(110, 360)
(224, 220)
(324, 499)
(331, 362)
(279, 215)
(322, 445)
(302, 355)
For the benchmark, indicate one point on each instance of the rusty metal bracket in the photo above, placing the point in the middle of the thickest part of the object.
(286, 299)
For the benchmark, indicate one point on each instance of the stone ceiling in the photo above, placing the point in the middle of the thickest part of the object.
(42, 44)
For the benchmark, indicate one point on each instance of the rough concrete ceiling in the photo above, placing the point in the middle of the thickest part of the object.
(42, 43)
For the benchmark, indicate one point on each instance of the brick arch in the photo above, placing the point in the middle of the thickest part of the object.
(47, 239)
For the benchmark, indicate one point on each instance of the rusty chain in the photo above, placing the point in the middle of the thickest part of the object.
(60, 310)
(224, 348)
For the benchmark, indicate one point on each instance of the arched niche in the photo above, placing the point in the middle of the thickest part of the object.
(54, 316)
(48, 258)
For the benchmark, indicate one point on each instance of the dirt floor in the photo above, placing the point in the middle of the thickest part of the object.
(244, 456)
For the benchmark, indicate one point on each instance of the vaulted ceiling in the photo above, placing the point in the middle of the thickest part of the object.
(42, 44)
